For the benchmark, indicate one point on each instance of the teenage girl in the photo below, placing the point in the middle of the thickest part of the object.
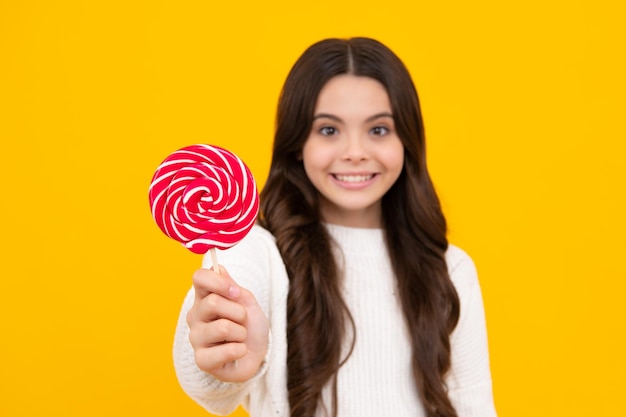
(346, 299)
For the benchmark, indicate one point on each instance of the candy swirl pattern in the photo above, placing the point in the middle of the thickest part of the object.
(204, 197)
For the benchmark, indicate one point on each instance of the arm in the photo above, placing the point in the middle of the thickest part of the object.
(221, 322)
(220, 343)
(469, 380)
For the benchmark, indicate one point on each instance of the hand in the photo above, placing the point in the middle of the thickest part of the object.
(228, 329)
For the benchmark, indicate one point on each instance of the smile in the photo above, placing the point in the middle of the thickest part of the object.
(353, 178)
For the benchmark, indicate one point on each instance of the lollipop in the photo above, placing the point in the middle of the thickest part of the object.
(204, 197)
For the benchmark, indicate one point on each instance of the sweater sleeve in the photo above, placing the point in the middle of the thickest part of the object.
(248, 265)
(469, 380)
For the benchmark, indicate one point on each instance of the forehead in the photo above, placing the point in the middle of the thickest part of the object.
(353, 94)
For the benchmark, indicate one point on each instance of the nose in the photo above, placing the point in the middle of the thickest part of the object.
(355, 149)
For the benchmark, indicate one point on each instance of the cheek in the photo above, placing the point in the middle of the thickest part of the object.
(316, 156)
(311, 161)
(394, 158)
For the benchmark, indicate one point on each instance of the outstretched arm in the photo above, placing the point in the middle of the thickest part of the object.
(469, 380)
(221, 341)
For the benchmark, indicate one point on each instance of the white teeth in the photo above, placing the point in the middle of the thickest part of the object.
(354, 178)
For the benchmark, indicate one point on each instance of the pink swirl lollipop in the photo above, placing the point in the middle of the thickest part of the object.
(204, 197)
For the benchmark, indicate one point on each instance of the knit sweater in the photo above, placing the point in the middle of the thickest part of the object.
(377, 379)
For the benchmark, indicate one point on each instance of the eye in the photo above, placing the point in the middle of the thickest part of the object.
(379, 131)
(328, 131)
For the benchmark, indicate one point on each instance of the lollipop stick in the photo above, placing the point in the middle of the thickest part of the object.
(216, 266)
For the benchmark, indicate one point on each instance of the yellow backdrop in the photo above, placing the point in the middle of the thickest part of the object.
(524, 109)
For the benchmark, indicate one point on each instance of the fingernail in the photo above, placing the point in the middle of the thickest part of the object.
(233, 291)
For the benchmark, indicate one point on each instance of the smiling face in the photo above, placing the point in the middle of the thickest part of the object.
(353, 155)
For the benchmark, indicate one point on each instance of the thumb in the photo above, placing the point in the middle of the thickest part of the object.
(235, 292)
(233, 289)
(206, 281)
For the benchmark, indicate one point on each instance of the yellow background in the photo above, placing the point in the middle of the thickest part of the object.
(524, 110)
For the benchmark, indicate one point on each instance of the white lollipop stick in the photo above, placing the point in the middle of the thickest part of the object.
(216, 266)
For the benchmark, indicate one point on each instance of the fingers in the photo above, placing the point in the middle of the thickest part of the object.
(226, 326)
(218, 357)
(214, 306)
(215, 297)
(217, 332)
(206, 281)
(215, 317)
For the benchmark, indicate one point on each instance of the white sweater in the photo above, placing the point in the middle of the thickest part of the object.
(377, 380)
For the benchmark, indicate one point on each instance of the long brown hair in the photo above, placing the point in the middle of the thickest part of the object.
(415, 231)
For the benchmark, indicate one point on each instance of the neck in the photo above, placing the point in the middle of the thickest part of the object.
(368, 218)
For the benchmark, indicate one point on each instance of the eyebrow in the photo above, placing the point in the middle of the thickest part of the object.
(338, 119)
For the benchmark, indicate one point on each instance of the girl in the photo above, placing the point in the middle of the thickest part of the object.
(346, 299)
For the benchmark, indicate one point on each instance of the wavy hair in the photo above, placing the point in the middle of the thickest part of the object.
(414, 227)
